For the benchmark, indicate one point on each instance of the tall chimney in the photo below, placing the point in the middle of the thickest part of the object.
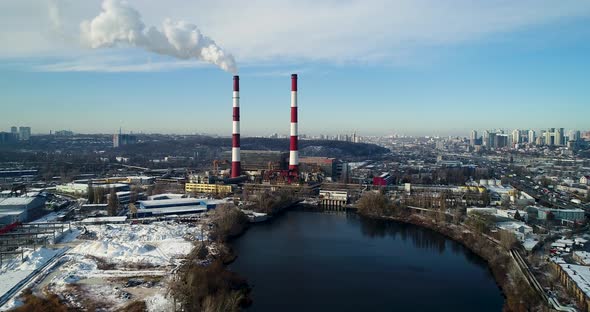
(235, 140)
(293, 148)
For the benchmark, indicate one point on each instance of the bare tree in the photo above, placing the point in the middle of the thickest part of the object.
(228, 221)
(90, 194)
(507, 239)
(113, 203)
(374, 203)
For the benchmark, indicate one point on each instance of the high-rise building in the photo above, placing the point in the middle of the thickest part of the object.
(559, 137)
(24, 133)
(549, 137)
(501, 140)
(8, 138)
(120, 139)
(577, 135)
(540, 140)
(473, 138)
(486, 138)
(14, 130)
(532, 137)
(492, 140)
(516, 137)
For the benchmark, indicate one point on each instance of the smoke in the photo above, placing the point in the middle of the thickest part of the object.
(54, 16)
(118, 23)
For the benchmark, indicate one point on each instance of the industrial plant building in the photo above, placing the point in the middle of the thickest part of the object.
(174, 206)
(383, 180)
(82, 188)
(254, 160)
(207, 188)
(264, 160)
(570, 215)
(20, 209)
(329, 166)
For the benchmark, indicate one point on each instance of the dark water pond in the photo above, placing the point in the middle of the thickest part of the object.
(315, 261)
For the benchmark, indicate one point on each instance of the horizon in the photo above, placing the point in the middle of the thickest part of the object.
(306, 136)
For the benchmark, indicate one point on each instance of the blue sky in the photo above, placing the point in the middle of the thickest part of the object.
(455, 67)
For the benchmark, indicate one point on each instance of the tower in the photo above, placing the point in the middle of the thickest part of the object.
(293, 146)
(235, 137)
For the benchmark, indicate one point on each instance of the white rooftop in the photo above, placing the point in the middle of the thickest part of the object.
(15, 201)
(104, 219)
(175, 201)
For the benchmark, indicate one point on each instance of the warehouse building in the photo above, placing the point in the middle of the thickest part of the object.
(573, 215)
(20, 209)
(174, 206)
(82, 188)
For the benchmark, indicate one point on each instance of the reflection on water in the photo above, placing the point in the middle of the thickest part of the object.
(312, 261)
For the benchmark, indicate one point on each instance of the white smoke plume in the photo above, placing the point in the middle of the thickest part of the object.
(118, 23)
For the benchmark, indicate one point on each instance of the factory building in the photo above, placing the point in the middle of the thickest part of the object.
(383, 180)
(207, 188)
(82, 188)
(333, 198)
(572, 215)
(329, 166)
(174, 206)
(254, 160)
(20, 209)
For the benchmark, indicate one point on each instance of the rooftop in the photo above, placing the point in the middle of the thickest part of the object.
(170, 202)
(16, 201)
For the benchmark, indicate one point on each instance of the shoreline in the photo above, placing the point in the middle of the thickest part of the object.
(499, 272)
(493, 255)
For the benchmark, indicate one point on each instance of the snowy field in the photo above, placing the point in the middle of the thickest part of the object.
(15, 270)
(113, 264)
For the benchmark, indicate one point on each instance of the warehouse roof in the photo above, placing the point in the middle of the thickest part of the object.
(16, 201)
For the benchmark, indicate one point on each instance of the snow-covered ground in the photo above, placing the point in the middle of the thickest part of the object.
(99, 267)
(104, 258)
(16, 270)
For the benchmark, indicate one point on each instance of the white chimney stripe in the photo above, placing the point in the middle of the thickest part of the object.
(236, 98)
(236, 127)
(294, 158)
(235, 154)
(293, 129)
(293, 98)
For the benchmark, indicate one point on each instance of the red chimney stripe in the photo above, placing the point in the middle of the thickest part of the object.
(293, 144)
(235, 140)
(235, 169)
(293, 114)
(236, 83)
(294, 82)
(236, 114)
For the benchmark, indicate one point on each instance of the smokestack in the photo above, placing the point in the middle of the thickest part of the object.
(293, 148)
(235, 140)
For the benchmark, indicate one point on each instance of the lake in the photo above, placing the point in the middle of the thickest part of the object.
(337, 261)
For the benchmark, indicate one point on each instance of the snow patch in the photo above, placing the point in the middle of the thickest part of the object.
(159, 303)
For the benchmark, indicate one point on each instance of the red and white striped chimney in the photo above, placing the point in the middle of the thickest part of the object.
(235, 140)
(293, 148)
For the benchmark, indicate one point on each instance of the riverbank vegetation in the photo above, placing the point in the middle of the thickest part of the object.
(227, 222)
(209, 287)
(474, 232)
(204, 283)
(272, 202)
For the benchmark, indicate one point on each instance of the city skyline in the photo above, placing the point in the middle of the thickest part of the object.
(430, 78)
